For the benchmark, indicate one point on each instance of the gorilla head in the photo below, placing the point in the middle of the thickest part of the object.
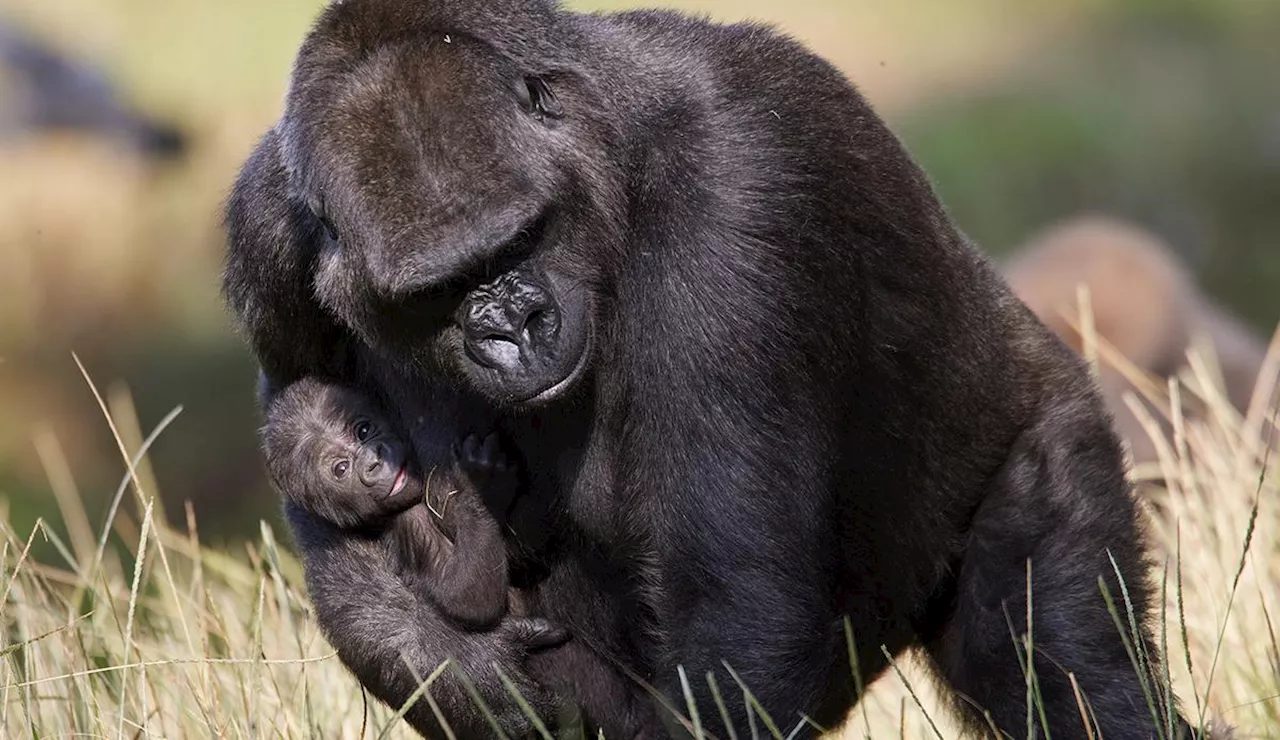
(331, 452)
(447, 236)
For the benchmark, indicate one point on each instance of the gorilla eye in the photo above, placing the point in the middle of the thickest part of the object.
(537, 98)
(340, 469)
(363, 429)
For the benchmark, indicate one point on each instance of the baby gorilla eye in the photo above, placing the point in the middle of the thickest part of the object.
(363, 430)
(340, 469)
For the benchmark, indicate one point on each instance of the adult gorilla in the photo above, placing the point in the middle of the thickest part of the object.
(759, 379)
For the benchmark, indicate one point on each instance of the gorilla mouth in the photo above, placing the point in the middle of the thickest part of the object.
(398, 483)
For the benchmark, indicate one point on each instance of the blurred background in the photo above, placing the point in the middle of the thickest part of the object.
(123, 122)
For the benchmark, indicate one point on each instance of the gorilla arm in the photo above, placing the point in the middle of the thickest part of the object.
(467, 580)
(387, 635)
(734, 512)
(392, 640)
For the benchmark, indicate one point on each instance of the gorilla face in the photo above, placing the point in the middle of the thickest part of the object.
(454, 189)
(332, 452)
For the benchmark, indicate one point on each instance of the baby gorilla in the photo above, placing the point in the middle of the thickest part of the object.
(331, 451)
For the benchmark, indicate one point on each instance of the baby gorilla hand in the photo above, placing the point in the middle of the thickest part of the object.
(485, 480)
(481, 462)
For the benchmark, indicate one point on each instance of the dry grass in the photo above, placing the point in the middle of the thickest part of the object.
(159, 636)
(167, 638)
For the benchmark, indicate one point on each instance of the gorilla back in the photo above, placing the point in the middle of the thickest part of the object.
(746, 355)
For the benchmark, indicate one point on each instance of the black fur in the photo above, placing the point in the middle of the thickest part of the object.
(781, 388)
(433, 532)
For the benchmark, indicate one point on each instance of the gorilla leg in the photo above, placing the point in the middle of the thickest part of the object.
(607, 700)
(1058, 502)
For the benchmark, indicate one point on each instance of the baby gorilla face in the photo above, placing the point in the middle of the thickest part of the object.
(358, 457)
(331, 451)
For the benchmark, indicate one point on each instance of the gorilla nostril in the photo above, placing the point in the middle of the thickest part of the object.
(540, 323)
(534, 321)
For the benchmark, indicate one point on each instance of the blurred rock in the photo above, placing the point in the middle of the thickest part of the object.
(47, 90)
(1145, 304)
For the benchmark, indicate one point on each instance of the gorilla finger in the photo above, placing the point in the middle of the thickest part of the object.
(490, 452)
(471, 447)
(537, 633)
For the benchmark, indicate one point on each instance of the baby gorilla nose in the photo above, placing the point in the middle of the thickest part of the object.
(374, 464)
(510, 321)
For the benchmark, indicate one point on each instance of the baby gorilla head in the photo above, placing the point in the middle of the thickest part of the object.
(331, 451)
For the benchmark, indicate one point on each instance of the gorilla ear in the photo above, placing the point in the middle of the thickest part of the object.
(537, 98)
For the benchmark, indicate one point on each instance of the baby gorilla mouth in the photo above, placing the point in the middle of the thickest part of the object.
(401, 478)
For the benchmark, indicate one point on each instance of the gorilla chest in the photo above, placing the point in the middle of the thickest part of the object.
(572, 477)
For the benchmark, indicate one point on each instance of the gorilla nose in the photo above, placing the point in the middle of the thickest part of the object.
(374, 461)
(507, 320)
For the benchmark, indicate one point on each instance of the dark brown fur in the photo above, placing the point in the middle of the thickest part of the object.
(436, 534)
(309, 431)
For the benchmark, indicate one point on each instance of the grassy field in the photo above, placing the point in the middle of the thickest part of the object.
(165, 637)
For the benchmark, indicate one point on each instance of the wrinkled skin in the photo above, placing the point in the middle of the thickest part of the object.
(759, 381)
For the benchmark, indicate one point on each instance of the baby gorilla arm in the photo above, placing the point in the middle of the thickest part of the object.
(393, 640)
(470, 584)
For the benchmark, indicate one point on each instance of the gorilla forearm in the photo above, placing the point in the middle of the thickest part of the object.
(725, 574)
(392, 640)
(468, 580)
